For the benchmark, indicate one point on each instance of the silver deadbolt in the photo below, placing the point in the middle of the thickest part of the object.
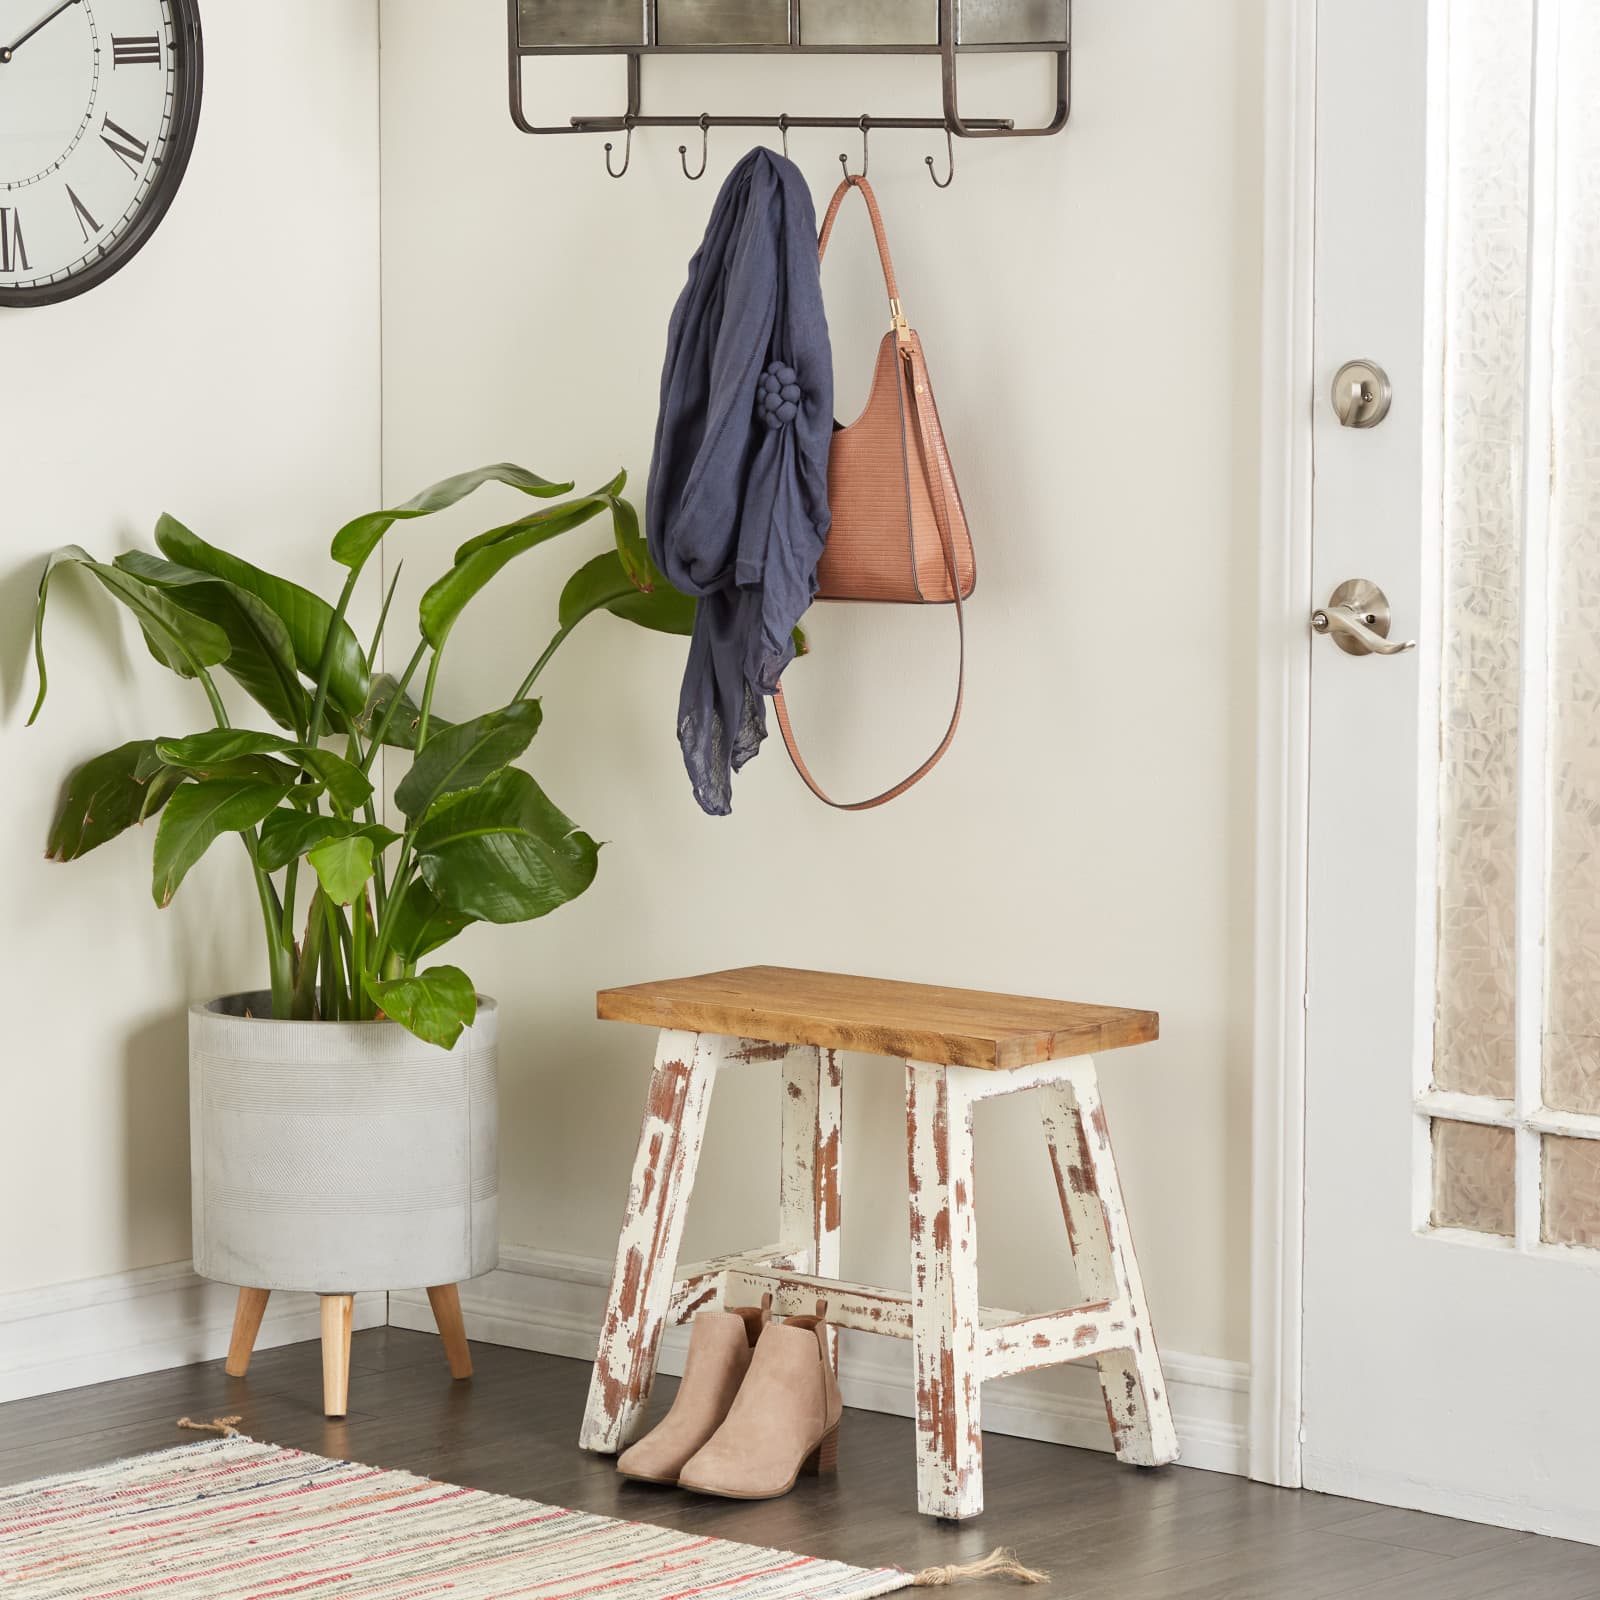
(1361, 394)
(1357, 618)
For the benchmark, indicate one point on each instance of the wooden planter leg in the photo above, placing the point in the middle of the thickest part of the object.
(808, 1183)
(446, 1302)
(1102, 1253)
(247, 1313)
(945, 1333)
(652, 1229)
(336, 1314)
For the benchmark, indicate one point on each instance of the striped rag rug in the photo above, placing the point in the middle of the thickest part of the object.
(235, 1517)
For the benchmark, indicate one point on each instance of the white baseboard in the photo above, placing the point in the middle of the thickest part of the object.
(70, 1334)
(1578, 1520)
(546, 1301)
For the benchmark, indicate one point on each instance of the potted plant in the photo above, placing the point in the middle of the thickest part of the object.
(342, 1118)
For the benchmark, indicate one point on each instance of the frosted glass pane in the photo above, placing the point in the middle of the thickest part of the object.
(1473, 1177)
(1571, 1191)
(1572, 932)
(1484, 309)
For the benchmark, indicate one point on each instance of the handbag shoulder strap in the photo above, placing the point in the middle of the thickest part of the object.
(905, 783)
(921, 402)
(857, 182)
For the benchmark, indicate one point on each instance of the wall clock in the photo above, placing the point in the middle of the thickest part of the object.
(99, 100)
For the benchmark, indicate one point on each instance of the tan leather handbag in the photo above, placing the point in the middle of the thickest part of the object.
(899, 532)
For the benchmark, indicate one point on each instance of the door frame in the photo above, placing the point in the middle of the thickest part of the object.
(1283, 741)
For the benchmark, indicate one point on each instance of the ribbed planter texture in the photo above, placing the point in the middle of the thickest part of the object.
(340, 1156)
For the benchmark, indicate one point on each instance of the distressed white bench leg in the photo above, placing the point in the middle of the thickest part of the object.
(945, 1330)
(808, 1184)
(1102, 1251)
(652, 1230)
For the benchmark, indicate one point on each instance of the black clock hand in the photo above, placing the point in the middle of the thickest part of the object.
(7, 51)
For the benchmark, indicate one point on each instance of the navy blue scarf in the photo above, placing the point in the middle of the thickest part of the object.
(737, 508)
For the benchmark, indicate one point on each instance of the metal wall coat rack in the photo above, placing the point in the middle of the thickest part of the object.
(947, 29)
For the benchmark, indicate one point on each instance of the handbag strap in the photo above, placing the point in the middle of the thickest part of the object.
(857, 182)
(944, 483)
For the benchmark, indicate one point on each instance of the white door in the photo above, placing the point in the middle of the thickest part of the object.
(1451, 1355)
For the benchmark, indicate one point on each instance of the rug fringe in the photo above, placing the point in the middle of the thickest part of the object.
(226, 1426)
(999, 1563)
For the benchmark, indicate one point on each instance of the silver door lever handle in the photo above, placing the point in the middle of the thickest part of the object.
(1357, 619)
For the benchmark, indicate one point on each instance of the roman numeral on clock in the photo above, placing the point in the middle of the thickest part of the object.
(85, 217)
(135, 50)
(126, 147)
(13, 253)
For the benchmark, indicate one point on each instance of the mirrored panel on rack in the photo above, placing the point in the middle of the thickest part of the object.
(943, 28)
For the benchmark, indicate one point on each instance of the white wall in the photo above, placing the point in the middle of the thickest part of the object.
(229, 374)
(1089, 305)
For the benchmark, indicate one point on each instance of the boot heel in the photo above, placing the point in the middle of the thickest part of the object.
(825, 1458)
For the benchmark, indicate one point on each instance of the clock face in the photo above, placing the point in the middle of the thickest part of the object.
(98, 105)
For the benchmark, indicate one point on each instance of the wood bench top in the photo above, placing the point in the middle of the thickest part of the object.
(880, 1016)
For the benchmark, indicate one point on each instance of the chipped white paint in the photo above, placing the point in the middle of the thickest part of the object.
(957, 1343)
(809, 1196)
(1026, 1344)
(860, 1306)
(652, 1231)
(708, 1285)
(945, 1325)
(1102, 1251)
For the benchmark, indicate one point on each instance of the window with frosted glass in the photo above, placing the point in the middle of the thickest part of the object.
(1485, 124)
(1514, 1108)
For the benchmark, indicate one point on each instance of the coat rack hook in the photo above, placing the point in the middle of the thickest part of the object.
(783, 128)
(705, 141)
(844, 160)
(950, 171)
(627, 151)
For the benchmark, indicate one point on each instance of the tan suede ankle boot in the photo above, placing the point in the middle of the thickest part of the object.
(721, 1344)
(784, 1421)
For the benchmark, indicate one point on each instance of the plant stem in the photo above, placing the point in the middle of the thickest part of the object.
(539, 665)
(403, 865)
(280, 962)
(427, 692)
(358, 954)
(383, 616)
(333, 1007)
(389, 710)
(319, 702)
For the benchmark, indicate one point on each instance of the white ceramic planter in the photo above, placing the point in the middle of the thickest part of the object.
(340, 1156)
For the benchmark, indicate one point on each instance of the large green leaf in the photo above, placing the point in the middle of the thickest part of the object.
(183, 641)
(422, 923)
(342, 866)
(345, 781)
(197, 815)
(228, 753)
(356, 540)
(463, 756)
(239, 752)
(503, 852)
(478, 560)
(403, 725)
(261, 660)
(604, 585)
(305, 616)
(288, 834)
(201, 750)
(106, 795)
(434, 1005)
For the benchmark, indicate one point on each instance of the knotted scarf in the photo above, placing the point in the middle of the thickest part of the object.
(737, 507)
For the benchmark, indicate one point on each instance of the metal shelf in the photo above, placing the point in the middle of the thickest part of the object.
(947, 29)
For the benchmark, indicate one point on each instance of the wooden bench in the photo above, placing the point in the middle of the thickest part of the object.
(959, 1046)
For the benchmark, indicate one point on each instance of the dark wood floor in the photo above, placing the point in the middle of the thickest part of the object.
(1105, 1531)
